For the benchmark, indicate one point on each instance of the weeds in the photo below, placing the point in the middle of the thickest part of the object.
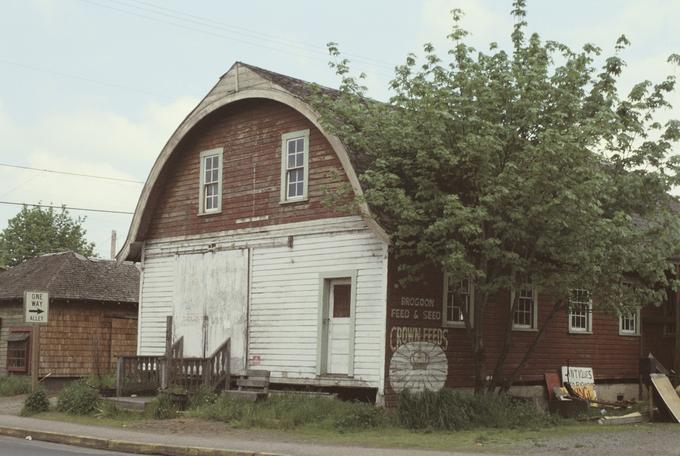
(451, 410)
(291, 411)
(12, 385)
(163, 407)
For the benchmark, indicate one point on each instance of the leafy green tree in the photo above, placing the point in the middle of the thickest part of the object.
(515, 167)
(36, 231)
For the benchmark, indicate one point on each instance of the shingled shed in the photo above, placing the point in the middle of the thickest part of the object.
(92, 320)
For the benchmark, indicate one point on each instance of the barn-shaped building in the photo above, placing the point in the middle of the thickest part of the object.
(236, 240)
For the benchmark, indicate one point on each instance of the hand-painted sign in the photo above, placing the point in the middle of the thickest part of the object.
(400, 335)
(36, 306)
(577, 375)
(418, 366)
(581, 380)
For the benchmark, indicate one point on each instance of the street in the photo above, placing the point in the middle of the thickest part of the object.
(19, 447)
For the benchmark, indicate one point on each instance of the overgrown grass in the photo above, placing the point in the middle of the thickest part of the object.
(451, 410)
(12, 385)
(290, 412)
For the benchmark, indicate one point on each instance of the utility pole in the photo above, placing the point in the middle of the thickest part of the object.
(113, 244)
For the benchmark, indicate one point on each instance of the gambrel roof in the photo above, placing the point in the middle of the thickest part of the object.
(243, 82)
(68, 275)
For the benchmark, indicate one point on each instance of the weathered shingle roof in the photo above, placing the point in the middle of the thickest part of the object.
(68, 275)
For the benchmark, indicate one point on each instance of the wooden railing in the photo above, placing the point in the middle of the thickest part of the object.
(136, 374)
(191, 373)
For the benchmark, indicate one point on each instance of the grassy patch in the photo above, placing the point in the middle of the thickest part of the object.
(291, 412)
(452, 411)
(13, 385)
(120, 419)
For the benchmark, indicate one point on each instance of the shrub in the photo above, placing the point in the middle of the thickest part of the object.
(78, 398)
(450, 410)
(12, 385)
(36, 402)
(163, 407)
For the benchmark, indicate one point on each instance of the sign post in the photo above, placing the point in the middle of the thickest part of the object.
(36, 312)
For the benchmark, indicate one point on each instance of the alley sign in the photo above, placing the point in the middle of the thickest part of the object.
(36, 306)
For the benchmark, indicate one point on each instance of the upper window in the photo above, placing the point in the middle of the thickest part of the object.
(294, 166)
(526, 312)
(580, 311)
(629, 322)
(458, 301)
(211, 182)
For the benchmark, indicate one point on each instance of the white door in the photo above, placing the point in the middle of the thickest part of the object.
(211, 291)
(339, 311)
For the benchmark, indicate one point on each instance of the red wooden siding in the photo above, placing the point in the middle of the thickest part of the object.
(612, 356)
(250, 133)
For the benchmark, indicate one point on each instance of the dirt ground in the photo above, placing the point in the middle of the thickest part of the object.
(658, 439)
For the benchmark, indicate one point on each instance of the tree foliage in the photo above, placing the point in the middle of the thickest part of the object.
(528, 165)
(36, 231)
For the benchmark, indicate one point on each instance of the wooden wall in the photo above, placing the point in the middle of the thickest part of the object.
(250, 133)
(613, 357)
(80, 337)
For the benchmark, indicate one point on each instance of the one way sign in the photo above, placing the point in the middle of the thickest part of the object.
(36, 306)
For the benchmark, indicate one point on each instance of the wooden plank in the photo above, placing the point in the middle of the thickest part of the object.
(667, 393)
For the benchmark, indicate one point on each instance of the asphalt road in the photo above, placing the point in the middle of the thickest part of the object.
(19, 447)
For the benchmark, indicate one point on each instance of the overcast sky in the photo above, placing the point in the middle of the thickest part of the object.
(98, 86)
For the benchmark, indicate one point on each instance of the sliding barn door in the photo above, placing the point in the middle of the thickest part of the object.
(210, 300)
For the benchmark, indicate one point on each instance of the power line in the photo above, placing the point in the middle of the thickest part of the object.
(208, 22)
(68, 173)
(81, 78)
(82, 209)
(281, 49)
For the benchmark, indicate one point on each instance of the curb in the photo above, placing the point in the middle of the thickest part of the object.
(123, 446)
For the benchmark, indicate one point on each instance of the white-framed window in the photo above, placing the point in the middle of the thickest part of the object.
(294, 166)
(580, 311)
(629, 322)
(210, 196)
(525, 316)
(458, 301)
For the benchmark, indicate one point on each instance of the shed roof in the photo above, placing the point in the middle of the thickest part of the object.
(68, 275)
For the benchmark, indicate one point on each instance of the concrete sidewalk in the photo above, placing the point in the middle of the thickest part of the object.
(148, 443)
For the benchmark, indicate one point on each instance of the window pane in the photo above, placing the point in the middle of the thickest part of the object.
(291, 190)
(300, 159)
(341, 300)
(299, 189)
(300, 144)
(291, 161)
(291, 147)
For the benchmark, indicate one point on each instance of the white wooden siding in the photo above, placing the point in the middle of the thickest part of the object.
(284, 292)
(285, 302)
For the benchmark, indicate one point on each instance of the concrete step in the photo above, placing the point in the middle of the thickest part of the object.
(133, 404)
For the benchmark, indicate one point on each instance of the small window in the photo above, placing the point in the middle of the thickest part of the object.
(629, 322)
(294, 166)
(18, 351)
(458, 301)
(211, 182)
(580, 311)
(526, 312)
